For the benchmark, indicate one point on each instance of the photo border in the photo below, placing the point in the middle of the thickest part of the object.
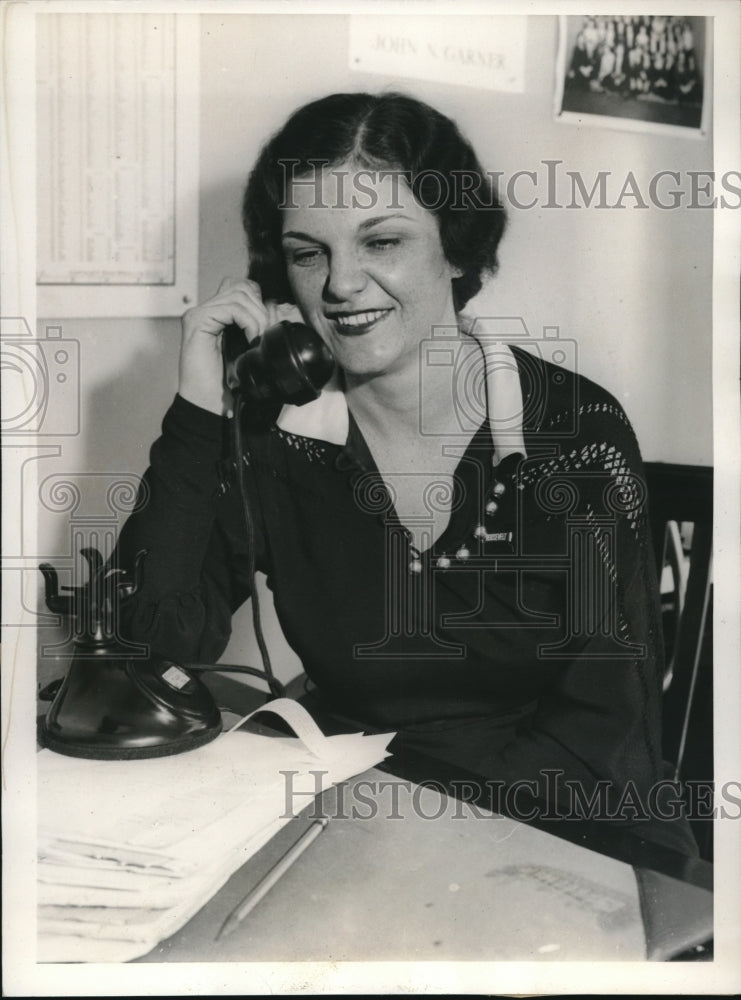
(24, 977)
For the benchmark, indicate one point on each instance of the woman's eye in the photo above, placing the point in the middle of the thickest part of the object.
(384, 242)
(305, 258)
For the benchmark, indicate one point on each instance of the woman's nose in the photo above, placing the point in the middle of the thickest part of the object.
(346, 278)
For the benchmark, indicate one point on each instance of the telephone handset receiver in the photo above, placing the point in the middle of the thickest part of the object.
(289, 363)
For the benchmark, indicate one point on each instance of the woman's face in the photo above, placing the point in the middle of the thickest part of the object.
(366, 267)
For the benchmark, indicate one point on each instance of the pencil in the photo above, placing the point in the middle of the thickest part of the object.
(265, 884)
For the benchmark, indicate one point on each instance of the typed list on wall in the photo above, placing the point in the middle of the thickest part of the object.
(106, 149)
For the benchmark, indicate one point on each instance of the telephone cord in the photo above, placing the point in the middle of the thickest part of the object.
(238, 453)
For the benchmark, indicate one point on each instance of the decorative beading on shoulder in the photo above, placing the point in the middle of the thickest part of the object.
(310, 448)
(588, 409)
(626, 498)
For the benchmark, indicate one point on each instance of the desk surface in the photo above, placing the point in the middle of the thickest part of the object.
(406, 873)
(438, 882)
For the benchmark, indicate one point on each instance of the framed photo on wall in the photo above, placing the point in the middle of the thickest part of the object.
(636, 72)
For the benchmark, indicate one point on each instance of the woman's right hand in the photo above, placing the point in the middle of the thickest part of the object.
(201, 368)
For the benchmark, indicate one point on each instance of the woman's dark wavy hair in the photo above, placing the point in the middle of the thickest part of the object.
(390, 131)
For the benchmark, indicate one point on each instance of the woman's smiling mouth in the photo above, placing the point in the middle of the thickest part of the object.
(358, 322)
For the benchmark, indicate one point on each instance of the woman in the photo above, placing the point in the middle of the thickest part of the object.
(469, 569)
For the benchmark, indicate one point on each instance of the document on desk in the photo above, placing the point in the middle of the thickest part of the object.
(129, 850)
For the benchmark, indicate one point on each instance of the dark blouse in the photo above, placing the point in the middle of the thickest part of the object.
(526, 638)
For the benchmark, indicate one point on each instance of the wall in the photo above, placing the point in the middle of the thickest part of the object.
(631, 287)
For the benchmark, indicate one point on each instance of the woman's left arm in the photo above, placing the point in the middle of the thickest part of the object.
(599, 719)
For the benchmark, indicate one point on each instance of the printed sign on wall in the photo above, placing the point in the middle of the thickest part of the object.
(472, 51)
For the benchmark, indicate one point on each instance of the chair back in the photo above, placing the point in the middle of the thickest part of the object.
(680, 501)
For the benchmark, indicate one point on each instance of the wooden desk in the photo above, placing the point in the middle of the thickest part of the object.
(415, 875)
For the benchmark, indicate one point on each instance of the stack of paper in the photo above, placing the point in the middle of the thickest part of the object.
(130, 850)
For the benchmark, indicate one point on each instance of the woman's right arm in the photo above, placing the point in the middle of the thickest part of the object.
(201, 370)
(192, 529)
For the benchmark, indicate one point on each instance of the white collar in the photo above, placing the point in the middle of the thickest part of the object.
(327, 417)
